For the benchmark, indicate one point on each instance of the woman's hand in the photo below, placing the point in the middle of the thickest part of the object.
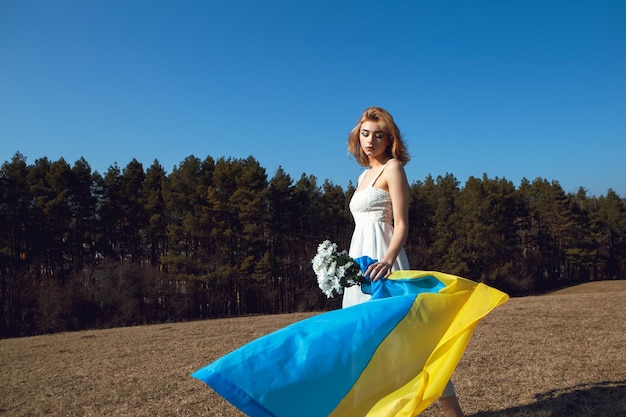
(378, 270)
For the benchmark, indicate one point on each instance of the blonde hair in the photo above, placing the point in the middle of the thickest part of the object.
(396, 149)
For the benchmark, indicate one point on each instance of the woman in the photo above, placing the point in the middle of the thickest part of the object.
(380, 206)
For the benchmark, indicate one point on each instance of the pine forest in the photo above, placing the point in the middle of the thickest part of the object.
(219, 238)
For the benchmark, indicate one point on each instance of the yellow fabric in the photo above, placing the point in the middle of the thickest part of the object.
(416, 360)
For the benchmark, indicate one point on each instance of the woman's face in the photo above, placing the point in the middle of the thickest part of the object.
(373, 139)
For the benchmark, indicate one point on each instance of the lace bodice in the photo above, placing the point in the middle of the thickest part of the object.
(371, 205)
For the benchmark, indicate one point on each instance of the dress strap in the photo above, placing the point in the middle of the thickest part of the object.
(379, 172)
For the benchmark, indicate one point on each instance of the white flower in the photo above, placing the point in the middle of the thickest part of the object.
(334, 270)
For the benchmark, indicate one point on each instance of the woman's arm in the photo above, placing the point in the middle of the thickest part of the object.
(398, 187)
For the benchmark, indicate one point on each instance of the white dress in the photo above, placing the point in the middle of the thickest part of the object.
(373, 218)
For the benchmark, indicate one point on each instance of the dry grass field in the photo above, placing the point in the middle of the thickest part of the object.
(562, 354)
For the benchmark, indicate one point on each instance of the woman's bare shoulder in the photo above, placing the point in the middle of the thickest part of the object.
(395, 166)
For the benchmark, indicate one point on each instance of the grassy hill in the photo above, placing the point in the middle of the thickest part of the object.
(562, 354)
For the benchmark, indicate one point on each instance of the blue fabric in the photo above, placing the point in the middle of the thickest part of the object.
(294, 367)
(323, 355)
(364, 262)
(384, 288)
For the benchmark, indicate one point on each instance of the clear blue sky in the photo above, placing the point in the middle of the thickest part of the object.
(513, 89)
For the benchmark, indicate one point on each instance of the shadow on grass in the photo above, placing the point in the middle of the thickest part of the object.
(603, 399)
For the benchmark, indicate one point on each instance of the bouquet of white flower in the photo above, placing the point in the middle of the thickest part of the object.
(335, 269)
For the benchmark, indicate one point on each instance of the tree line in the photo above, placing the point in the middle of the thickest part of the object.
(217, 238)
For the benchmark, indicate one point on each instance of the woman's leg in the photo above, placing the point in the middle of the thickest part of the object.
(451, 406)
(450, 403)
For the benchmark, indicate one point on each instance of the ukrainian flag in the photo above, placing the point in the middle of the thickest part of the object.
(391, 356)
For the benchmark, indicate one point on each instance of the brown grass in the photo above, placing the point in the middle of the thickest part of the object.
(562, 354)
